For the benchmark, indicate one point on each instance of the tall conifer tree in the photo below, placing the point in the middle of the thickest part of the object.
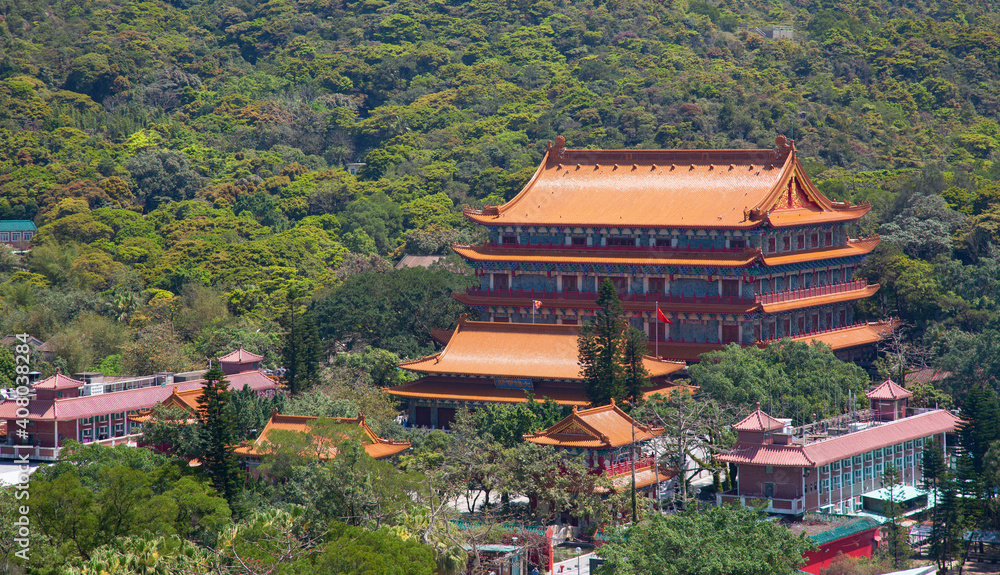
(218, 434)
(601, 350)
(634, 347)
(302, 351)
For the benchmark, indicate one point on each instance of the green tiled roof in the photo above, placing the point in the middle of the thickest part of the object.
(852, 528)
(17, 226)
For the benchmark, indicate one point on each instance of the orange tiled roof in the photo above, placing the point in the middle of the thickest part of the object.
(888, 389)
(375, 446)
(610, 256)
(535, 351)
(186, 399)
(604, 427)
(241, 356)
(867, 291)
(59, 381)
(850, 337)
(482, 391)
(858, 247)
(667, 188)
(758, 421)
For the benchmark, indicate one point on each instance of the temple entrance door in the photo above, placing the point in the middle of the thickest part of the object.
(730, 288)
(730, 333)
(656, 286)
(500, 281)
(446, 416)
(423, 416)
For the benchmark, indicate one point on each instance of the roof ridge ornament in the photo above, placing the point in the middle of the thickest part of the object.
(783, 146)
(557, 149)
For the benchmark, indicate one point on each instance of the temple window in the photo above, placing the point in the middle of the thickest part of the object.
(814, 241)
(579, 241)
(828, 239)
(620, 242)
(800, 242)
(664, 243)
(737, 243)
(509, 240)
(786, 243)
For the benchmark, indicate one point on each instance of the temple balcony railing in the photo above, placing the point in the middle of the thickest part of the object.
(574, 295)
(816, 332)
(795, 506)
(625, 467)
(619, 248)
(815, 291)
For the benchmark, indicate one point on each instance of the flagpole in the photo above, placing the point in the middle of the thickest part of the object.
(656, 332)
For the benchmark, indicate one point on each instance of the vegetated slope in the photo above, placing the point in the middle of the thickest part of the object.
(164, 147)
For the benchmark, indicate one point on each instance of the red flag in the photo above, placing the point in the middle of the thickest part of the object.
(661, 317)
(536, 304)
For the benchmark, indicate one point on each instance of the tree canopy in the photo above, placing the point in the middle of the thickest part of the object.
(727, 540)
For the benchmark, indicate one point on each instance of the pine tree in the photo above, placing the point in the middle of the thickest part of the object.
(898, 544)
(981, 413)
(302, 351)
(634, 347)
(946, 532)
(601, 349)
(218, 434)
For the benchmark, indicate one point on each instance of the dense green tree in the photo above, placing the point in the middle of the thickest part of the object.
(301, 352)
(946, 519)
(719, 541)
(394, 311)
(507, 423)
(162, 176)
(788, 378)
(981, 414)
(350, 550)
(601, 349)
(7, 368)
(635, 376)
(253, 411)
(218, 433)
(897, 543)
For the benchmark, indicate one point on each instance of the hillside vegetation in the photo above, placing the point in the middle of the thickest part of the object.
(184, 161)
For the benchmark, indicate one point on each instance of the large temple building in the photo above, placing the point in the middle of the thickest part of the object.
(732, 245)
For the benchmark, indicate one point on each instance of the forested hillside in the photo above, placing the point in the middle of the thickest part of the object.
(185, 161)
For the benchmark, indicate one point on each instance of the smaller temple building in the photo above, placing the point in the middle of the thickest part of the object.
(607, 438)
(834, 465)
(94, 408)
(375, 446)
(493, 362)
